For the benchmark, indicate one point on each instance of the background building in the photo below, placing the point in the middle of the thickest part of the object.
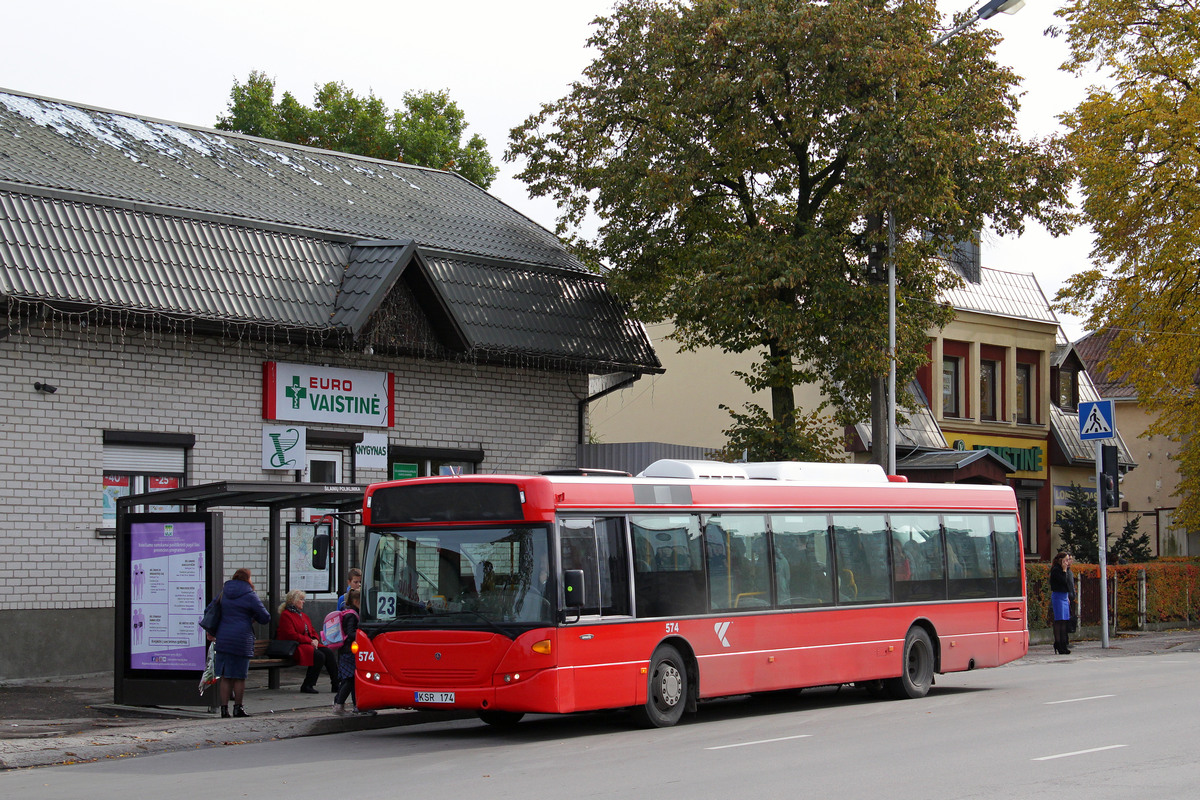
(1148, 493)
(997, 402)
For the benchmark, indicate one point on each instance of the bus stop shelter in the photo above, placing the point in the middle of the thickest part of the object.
(136, 687)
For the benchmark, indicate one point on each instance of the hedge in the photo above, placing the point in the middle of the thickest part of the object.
(1172, 591)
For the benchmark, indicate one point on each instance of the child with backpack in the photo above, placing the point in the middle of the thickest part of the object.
(349, 630)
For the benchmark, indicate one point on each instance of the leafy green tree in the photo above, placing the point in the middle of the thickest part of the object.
(1137, 145)
(1130, 547)
(428, 132)
(740, 155)
(1079, 527)
(755, 436)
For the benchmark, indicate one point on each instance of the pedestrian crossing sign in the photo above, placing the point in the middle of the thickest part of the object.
(1096, 420)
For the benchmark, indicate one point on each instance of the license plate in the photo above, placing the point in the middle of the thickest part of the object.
(435, 697)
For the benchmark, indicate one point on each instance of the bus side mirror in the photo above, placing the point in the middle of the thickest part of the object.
(320, 550)
(573, 588)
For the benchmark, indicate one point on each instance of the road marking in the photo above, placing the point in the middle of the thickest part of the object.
(1079, 699)
(760, 741)
(1081, 752)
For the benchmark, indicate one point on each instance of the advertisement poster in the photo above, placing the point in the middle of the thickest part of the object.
(166, 595)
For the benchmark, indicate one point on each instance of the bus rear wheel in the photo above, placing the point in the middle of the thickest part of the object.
(668, 689)
(501, 719)
(917, 677)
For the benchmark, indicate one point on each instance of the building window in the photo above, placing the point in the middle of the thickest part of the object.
(136, 463)
(988, 389)
(1024, 410)
(1068, 389)
(1027, 509)
(412, 462)
(951, 375)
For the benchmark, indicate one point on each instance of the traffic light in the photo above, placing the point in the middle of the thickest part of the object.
(1110, 477)
(322, 539)
(320, 551)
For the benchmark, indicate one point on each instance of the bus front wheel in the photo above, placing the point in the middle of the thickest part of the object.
(917, 675)
(668, 689)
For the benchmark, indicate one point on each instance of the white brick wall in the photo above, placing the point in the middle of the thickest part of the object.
(51, 450)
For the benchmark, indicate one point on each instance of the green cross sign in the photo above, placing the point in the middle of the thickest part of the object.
(296, 391)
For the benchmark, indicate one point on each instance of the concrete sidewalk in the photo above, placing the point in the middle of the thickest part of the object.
(72, 720)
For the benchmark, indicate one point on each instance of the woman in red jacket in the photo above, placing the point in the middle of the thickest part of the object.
(295, 625)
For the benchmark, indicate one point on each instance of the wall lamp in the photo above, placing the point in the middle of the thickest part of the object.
(45, 388)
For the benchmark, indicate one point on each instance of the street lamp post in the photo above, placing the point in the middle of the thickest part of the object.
(986, 11)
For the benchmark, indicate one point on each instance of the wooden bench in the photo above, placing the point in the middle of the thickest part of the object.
(260, 661)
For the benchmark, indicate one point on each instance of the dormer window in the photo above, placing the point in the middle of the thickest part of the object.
(1068, 389)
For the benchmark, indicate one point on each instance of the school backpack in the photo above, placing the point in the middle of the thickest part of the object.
(331, 629)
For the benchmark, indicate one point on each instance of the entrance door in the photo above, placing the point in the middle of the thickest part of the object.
(599, 654)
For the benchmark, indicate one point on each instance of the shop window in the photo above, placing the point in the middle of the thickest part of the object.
(989, 389)
(951, 381)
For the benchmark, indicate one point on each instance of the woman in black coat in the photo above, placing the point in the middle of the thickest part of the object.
(1062, 590)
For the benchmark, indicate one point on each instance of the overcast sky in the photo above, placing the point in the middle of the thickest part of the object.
(499, 61)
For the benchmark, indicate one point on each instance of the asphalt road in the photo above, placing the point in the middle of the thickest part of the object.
(1096, 728)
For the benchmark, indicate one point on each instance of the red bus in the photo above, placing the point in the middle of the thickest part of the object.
(562, 593)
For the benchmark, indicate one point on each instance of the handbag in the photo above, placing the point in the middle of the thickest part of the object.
(1072, 624)
(212, 616)
(281, 648)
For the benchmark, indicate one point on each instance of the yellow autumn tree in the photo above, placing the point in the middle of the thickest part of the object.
(1136, 143)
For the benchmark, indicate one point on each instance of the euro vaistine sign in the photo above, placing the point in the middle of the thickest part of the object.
(304, 393)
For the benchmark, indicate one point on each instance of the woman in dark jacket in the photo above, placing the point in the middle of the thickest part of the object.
(296, 626)
(1061, 591)
(240, 608)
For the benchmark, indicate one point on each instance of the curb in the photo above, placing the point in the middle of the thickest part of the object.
(167, 735)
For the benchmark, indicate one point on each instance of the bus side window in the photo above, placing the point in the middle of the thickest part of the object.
(597, 547)
(1008, 556)
(917, 548)
(861, 545)
(969, 556)
(739, 570)
(802, 546)
(670, 582)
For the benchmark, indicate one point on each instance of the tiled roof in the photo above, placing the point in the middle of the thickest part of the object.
(75, 253)
(546, 312)
(75, 148)
(951, 459)
(1016, 295)
(105, 209)
(1094, 349)
(920, 432)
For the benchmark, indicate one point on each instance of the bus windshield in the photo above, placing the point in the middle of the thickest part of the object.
(449, 577)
